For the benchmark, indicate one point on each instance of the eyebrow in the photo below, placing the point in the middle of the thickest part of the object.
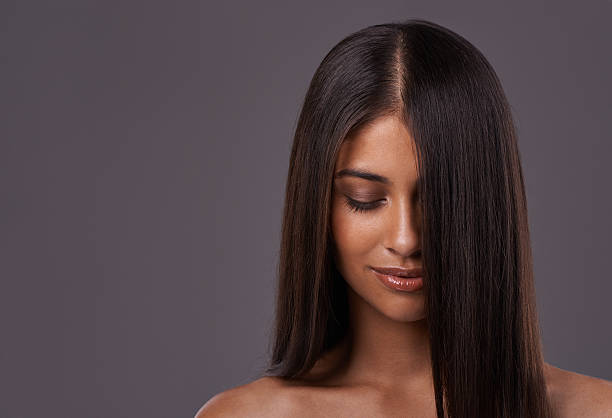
(366, 175)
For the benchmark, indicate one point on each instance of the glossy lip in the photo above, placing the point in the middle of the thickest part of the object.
(399, 271)
(399, 283)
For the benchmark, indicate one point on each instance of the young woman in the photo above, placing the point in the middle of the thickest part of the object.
(405, 274)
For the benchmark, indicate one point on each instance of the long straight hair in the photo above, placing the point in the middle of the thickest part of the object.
(485, 340)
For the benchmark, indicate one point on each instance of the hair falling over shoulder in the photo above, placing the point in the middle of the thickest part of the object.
(479, 287)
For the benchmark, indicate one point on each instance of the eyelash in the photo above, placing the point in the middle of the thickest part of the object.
(357, 206)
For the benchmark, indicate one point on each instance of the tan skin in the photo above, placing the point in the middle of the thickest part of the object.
(386, 351)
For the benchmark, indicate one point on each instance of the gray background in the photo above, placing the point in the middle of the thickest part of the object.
(144, 152)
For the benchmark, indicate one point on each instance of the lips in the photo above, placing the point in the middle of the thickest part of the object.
(399, 272)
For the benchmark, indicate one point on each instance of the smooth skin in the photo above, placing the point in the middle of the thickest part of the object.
(383, 365)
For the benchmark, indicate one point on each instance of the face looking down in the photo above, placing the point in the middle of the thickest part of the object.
(375, 216)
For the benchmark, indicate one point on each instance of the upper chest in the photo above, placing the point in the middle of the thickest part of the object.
(354, 402)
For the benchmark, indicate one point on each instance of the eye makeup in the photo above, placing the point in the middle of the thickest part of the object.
(371, 198)
(358, 206)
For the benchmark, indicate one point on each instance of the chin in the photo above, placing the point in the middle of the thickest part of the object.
(404, 315)
(397, 306)
(408, 307)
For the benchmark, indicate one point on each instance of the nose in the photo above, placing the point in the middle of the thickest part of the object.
(403, 235)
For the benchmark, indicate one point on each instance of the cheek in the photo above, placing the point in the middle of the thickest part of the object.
(355, 234)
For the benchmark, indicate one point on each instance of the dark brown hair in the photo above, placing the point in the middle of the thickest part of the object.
(479, 293)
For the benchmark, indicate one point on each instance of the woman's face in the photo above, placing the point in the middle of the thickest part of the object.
(387, 234)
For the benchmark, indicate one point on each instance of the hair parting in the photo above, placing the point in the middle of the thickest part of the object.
(479, 292)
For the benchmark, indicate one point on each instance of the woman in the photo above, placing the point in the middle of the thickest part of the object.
(405, 163)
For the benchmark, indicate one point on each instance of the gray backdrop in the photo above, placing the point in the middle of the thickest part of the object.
(144, 152)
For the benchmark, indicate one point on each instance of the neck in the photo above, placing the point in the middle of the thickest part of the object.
(377, 351)
(384, 351)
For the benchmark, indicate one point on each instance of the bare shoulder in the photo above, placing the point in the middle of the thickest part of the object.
(577, 395)
(263, 397)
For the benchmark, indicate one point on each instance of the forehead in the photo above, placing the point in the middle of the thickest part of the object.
(385, 146)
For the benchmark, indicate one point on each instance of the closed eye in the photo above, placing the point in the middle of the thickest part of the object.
(358, 206)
